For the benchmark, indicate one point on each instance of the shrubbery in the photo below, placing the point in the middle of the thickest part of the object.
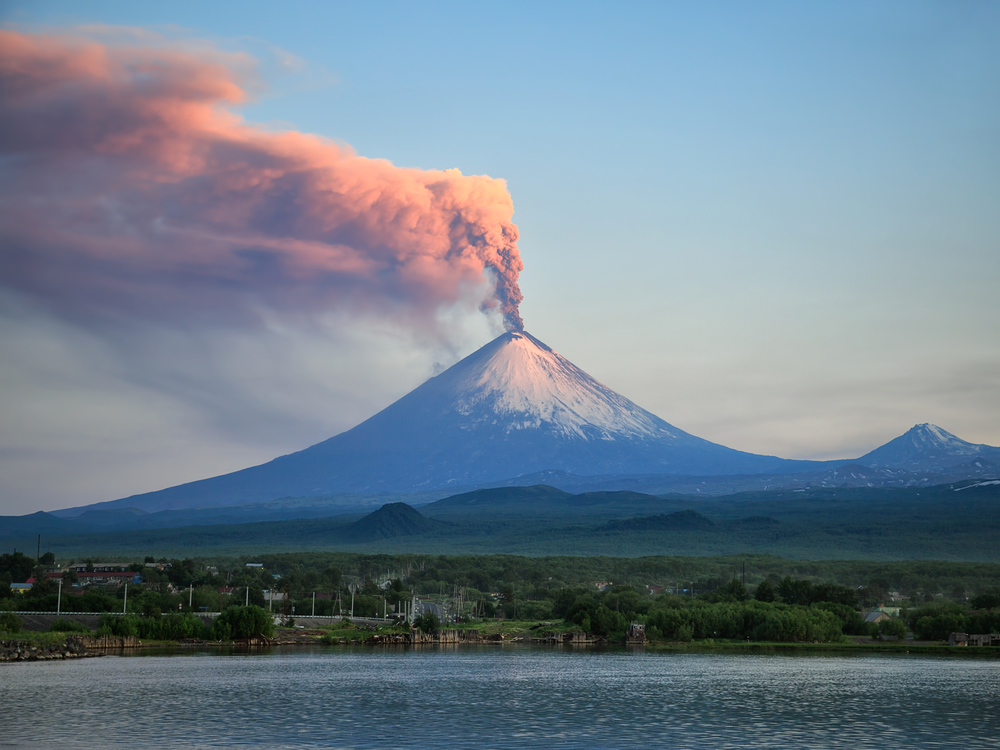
(427, 622)
(243, 622)
(10, 622)
(166, 628)
(758, 621)
(733, 616)
(68, 626)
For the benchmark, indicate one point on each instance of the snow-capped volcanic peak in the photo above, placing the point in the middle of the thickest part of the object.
(926, 447)
(930, 437)
(520, 383)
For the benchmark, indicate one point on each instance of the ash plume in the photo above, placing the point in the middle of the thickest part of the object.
(130, 189)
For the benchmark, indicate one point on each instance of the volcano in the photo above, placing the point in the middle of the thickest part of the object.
(927, 447)
(511, 408)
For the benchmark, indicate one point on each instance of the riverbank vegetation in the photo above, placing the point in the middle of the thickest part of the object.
(233, 623)
(676, 599)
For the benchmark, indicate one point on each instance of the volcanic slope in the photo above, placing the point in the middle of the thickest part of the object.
(513, 407)
(927, 447)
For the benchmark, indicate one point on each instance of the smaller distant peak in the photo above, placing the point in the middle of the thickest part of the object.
(932, 435)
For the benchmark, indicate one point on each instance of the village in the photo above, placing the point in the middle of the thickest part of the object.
(79, 593)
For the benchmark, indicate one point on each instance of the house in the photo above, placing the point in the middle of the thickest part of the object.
(876, 615)
(99, 567)
(227, 590)
(654, 589)
(979, 639)
(603, 585)
(108, 578)
(20, 588)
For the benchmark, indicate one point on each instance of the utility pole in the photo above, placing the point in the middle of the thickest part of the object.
(59, 597)
(314, 604)
(38, 552)
(124, 603)
(352, 601)
(190, 594)
(248, 596)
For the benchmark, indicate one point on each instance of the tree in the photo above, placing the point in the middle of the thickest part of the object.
(332, 578)
(987, 599)
(427, 622)
(47, 559)
(734, 591)
(17, 565)
(892, 628)
(240, 596)
(243, 622)
(795, 592)
(764, 592)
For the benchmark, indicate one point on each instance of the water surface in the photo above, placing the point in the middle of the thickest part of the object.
(480, 697)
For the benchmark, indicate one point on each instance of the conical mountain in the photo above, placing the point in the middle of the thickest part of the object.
(927, 447)
(511, 408)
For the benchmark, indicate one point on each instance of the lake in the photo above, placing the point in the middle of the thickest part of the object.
(501, 697)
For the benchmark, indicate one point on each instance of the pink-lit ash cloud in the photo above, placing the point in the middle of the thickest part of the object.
(131, 189)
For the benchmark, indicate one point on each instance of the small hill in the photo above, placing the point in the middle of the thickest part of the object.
(120, 518)
(389, 521)
(683, 520)
(32, 524)
(508, 498)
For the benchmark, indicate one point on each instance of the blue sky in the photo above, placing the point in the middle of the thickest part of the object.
(774, 225)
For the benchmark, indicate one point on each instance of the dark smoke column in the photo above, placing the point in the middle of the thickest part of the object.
(507, 266)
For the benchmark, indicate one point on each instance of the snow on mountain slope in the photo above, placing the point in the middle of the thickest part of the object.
(927, 447)
(525, 384)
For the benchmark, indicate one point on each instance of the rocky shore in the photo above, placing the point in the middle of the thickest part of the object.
(72, 647)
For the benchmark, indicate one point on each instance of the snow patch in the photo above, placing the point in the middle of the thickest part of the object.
(977, 484)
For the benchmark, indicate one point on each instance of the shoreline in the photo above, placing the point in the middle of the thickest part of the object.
(30, 649)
